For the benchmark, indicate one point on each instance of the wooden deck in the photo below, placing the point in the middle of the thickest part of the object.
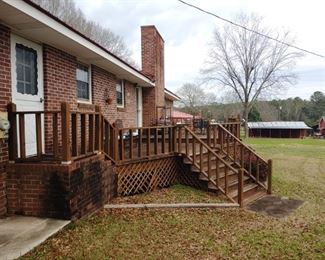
(218, 159)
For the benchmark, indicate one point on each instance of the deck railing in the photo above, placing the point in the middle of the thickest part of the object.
(215, 138)
(246, 158)
(69, 135)
(209, 162)
(143, 142)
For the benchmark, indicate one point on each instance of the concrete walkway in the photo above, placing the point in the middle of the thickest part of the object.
(19, 234)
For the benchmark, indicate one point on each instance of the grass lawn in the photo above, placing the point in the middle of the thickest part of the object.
(299, 172)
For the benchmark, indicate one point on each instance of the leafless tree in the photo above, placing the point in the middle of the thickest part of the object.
(249, 64)
(67, 11)
(193, 96)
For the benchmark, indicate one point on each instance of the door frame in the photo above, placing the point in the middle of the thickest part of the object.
(19, 98)
(139, 107)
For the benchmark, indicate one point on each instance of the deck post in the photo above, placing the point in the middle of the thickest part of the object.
(240, 187)
(12, 132)
(65, 129)
(98, 129)
(269, 176)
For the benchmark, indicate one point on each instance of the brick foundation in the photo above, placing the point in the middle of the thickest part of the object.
(60, 191)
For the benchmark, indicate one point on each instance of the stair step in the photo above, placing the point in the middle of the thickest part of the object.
(205, 168)
(248, 190)
(232, 184)
(258, 195)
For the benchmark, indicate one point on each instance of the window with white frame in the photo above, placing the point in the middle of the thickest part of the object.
(83, 83)
(120, 93)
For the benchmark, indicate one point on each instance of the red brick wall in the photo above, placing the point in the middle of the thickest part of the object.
(59, 78)
(5, 97)
(60, 191)
(59, 86)
(103, 86)
(128, 114)
(152, 49)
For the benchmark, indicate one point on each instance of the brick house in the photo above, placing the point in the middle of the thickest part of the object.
(64, 65)
(86, 126)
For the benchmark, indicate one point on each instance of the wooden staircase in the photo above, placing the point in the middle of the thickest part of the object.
(228, 166)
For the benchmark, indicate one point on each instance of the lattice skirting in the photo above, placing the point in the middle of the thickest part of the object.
(145, 176)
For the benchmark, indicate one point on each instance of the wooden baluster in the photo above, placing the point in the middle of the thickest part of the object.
(269, 176)
(65, 131)
(193, 149)
(240, 187)
(250, 163)
(242, 156)
(257, 169)
(221, 138)
(186, 143)
(91, 133)
(131, 143)
(214, 136)
(106, 137)
(115, 141)
(148, 142)
(122, 145)
(179, 139)
(112, 141)
(163, 140)
(12, 132)
(156, 140)
(235, 150)
(55, 136)
(201, 157)
(174, 145)
(83, 147)
(209, 165)
(228, 144)
(226, 180)
(217, 172)
(98, 129)
(209, 135)
(170, 138)
(38, 119)
(139, 142)
(22, 143)
(74, 134)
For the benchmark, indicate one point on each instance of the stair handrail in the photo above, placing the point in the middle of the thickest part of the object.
(241, 142)
(197, 139)
(268, 163)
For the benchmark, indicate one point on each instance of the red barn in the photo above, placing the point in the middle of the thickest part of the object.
(322, 126)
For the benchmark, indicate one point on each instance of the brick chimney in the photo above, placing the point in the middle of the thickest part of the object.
(152, 53)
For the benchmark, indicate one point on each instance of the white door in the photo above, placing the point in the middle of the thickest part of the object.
(139, 106)
(27, 84)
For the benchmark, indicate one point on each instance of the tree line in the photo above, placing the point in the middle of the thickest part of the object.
(291, 109)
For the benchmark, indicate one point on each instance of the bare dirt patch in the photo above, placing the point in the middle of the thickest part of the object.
(275, 206)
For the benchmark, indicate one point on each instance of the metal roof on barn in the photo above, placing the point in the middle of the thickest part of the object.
(278, 125)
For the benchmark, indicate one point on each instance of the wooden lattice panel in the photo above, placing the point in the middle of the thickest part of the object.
(146, 176)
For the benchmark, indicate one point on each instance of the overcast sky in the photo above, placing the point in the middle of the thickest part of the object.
(187, 31)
